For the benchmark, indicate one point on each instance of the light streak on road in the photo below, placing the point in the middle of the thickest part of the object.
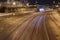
(7, 14)
(31, 27)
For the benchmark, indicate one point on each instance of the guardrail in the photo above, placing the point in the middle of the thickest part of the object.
(5, 14)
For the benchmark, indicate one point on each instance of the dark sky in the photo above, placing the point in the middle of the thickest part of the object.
(2, 0)
(36, 0)
(32, 0)
(39, 1)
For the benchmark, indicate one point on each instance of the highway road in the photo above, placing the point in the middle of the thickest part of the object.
(32, 26)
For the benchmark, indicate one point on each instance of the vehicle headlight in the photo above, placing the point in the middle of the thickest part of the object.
(41, 9)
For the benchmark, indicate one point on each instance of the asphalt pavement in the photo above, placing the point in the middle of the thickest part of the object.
(34, 26)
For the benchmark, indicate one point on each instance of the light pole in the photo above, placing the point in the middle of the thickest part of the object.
(54, 2)
(8, 1)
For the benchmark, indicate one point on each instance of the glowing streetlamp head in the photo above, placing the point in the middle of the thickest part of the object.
(14, 3)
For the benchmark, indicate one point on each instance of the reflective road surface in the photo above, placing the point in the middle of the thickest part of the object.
(31, 26)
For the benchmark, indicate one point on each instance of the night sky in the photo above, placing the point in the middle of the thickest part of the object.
(2, 0)
(39, 1)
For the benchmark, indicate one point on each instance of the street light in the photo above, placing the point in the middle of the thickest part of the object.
(54, 2)
(14, 3)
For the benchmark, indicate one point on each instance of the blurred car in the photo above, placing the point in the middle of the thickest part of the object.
(56, 6)
(43, 8)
